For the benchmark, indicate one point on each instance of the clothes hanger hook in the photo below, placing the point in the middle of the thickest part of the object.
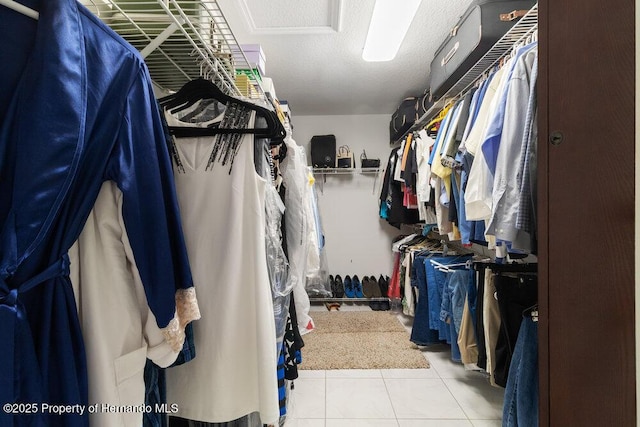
(96, 6)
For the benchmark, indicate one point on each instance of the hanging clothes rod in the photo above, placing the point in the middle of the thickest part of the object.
(14, 5)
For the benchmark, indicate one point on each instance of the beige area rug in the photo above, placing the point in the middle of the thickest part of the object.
(359, 340)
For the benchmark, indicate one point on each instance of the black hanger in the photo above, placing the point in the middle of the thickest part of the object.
(199, 89)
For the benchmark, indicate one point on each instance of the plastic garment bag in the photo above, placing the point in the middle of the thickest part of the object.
(277, 263)
(295, 179)
(317, 280)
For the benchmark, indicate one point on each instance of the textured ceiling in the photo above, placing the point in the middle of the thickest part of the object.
(322, 71)
(287, 15)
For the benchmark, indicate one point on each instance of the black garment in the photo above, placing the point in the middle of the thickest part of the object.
(515, 296)
(388, 176)
(393, 195)
(293, 343)
(410, 172)
(283, 223)
(453, 203)
(412, 168)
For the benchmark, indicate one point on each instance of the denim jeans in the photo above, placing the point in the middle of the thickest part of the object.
(452, 307)
(521, 395)
(459, 285)
(155, 393)
(422, 332)
(446, 318)
(436, 281)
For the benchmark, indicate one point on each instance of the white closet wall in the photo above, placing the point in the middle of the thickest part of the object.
(357, 241)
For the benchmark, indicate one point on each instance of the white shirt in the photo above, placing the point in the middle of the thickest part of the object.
(119, 329)
(478, 195)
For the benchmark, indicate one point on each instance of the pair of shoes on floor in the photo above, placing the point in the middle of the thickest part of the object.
(383, 284)
(337, 287)
(370, 287)
(383, 288)
(353, 287)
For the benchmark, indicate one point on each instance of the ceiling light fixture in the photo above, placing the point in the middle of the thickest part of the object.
(389, 24)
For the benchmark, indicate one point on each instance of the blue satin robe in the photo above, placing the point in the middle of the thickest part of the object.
(76, 109)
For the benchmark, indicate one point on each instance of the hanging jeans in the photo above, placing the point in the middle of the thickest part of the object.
(447, 319)
(521, 395)
(515, 296)
(453, 305)
(435, 287)
(436, 283)
(422, 332)
(459, 284)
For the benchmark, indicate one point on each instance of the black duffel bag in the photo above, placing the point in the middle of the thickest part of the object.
(403, 118)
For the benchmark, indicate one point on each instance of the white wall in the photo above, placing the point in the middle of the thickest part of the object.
(357, 240)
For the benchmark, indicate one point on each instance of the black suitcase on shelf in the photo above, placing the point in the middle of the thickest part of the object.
(323, 151)
(481, 26)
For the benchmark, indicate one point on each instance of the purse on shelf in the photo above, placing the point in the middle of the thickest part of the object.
(345, 157)
(366, 162)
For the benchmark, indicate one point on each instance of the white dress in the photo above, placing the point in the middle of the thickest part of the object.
(223, 217)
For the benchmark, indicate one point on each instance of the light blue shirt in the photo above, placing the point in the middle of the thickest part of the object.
(491, 144)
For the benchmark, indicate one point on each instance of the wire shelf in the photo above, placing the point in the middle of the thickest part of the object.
(181, 41)
(521, 31)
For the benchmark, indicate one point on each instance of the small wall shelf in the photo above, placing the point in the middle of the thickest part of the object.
(324, 172)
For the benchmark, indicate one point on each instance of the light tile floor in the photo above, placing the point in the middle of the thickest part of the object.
(446, 395)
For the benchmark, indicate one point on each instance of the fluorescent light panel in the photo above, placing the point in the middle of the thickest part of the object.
(389, 24)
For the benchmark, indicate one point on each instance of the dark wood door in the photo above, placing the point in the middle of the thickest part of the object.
(586, 213)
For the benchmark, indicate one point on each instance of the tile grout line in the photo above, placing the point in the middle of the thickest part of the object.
(456, 399)
(384, 381)
(431, 365)
(326, 396)
(454, 396)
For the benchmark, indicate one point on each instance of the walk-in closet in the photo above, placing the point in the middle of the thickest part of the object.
(327, 213)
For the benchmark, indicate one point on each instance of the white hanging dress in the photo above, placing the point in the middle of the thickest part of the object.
(223, 217)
